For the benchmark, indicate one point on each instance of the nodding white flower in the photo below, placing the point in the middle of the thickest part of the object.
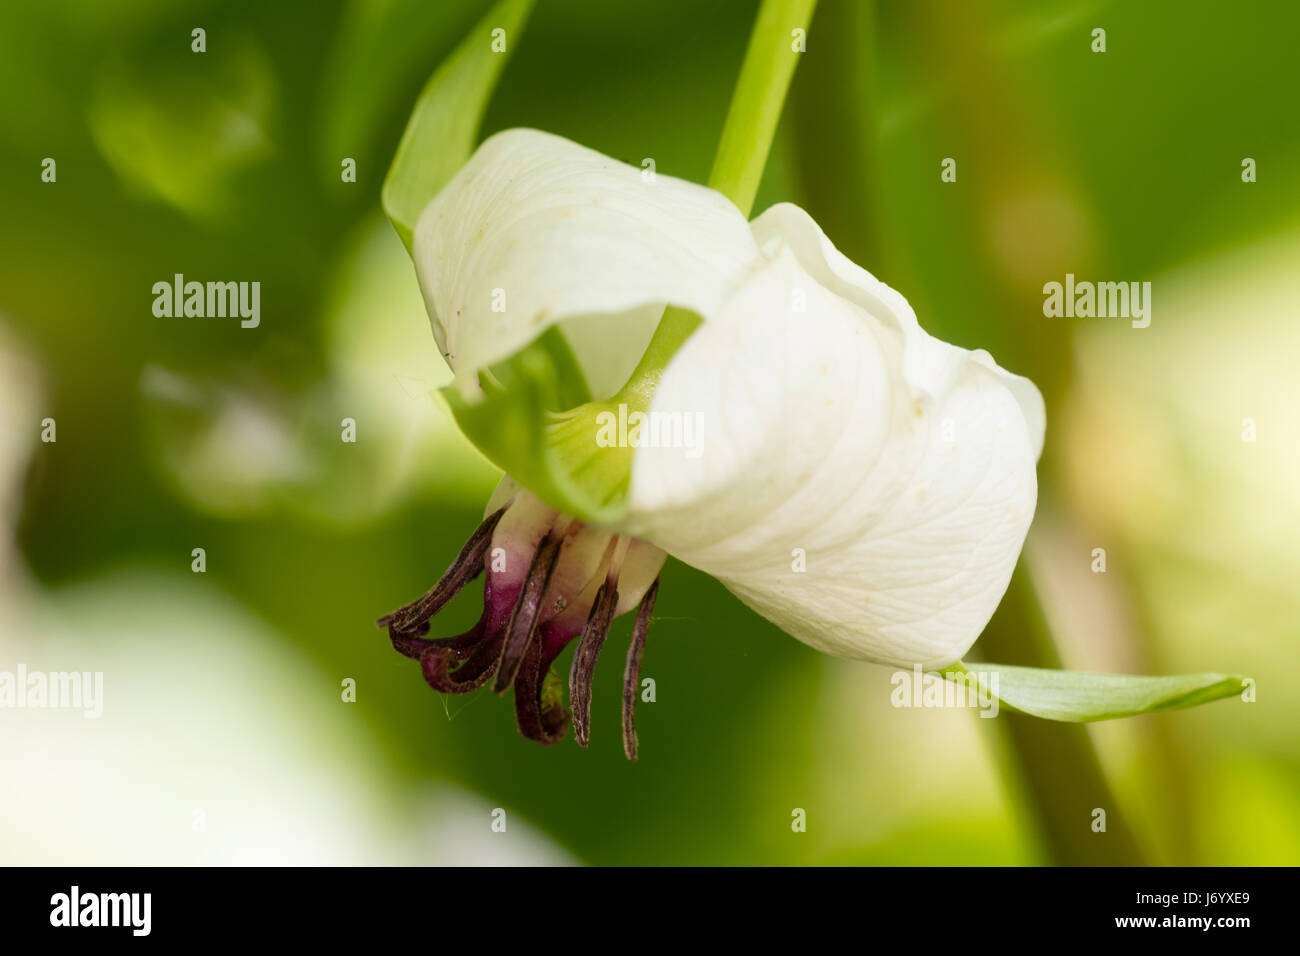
(856, 481)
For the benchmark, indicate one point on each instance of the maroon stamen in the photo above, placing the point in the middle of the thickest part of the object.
(632, 674)
(513, 644)
(474, 673)
(583, 668)
(459, 646)
(523, 619)
(411, 618)
(409, 645)
(539, 719)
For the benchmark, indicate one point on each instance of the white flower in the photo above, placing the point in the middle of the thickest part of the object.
(861, 484)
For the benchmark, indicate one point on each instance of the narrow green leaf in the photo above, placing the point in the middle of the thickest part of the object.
(1076, 697)
(441, 133)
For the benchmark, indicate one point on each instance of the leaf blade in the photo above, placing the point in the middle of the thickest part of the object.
(1078, 697)
(441, 133)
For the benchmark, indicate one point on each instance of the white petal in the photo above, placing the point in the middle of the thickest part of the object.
(552, 231)
(901, 468)
(929, 365)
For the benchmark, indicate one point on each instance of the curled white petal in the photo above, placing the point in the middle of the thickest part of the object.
(862, 485)
(929, 364)
(536, 230)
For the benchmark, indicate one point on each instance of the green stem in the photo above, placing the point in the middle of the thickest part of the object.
(747, 136)
(738, 165)
(760, 94)
(1055, 764)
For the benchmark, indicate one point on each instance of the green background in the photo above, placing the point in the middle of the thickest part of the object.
(182, 433)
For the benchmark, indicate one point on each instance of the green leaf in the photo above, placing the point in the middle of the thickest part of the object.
(442, 131)
(1077, 697)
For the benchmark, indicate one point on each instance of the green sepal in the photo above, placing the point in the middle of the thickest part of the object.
(534, 420)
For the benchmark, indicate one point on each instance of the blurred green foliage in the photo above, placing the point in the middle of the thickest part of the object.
(225, 165)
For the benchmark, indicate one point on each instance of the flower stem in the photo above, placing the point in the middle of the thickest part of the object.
(1055, 766)
(760, 94)
(770, 59)
(738, 165)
